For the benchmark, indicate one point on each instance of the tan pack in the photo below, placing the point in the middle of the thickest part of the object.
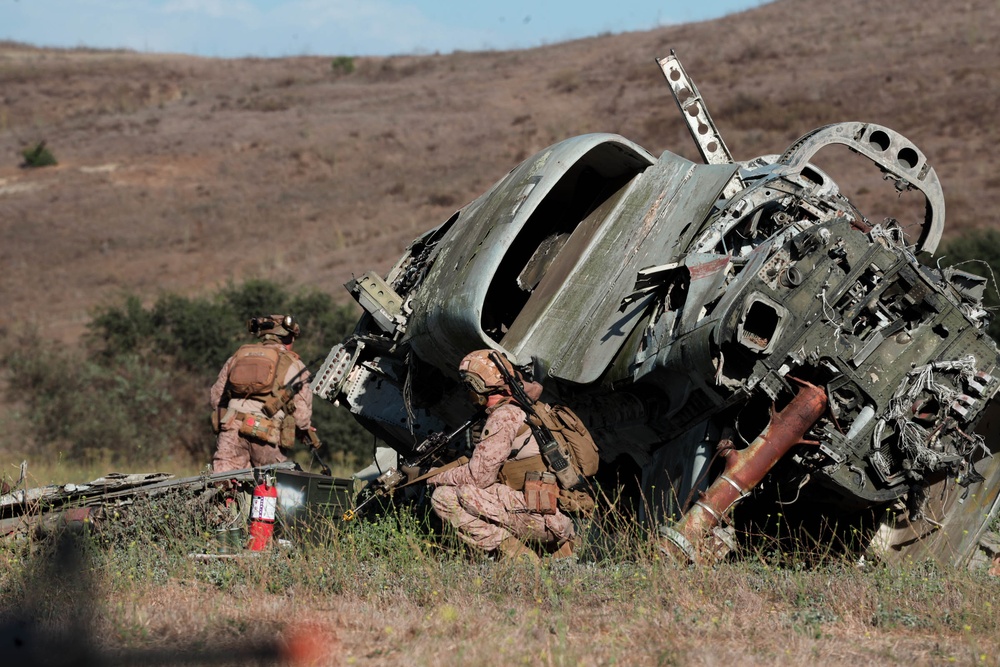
(254, 370)
(258, 370)
(259, 428)
(572, 436)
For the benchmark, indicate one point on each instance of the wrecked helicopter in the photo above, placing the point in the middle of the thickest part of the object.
(741, 341)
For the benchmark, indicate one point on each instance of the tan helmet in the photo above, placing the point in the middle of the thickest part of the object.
(274, 325)
(481, 375)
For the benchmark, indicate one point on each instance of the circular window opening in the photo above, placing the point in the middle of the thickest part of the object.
(879, 140)
(908, 157)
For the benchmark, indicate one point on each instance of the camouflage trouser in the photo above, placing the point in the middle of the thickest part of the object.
(485, 517)
(233, 452)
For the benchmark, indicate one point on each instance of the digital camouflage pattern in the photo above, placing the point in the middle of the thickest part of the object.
(235, 452)
(484, 511)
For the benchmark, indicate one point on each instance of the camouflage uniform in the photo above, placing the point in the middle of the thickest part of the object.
(484, 511)
(236, 452)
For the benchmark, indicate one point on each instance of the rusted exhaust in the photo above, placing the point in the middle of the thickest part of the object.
(694, 537)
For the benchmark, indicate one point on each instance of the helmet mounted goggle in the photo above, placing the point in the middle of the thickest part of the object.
(278, 325)
(475, 384)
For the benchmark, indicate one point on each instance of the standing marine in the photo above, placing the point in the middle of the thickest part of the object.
(484, 500)
(261, 398)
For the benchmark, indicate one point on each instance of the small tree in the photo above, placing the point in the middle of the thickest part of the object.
(38, 156)
(342, 65)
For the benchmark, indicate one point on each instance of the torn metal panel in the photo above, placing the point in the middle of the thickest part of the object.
(955, 517)
(24, 509)
(586, 307)
(452, 311)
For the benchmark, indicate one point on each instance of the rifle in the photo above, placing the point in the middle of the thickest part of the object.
(282, 400)
(284, 395)
(556, 457)
(387, 483)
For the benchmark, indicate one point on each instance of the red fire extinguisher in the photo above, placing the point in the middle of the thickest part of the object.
(262, 509)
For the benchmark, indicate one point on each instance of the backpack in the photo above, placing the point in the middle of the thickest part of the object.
(570, 433)
(257, 370)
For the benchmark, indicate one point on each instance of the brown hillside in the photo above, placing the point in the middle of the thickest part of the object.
(180, 173)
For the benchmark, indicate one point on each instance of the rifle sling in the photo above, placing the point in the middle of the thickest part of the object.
(461, 460)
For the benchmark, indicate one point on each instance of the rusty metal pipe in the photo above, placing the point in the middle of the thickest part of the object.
(690, 538)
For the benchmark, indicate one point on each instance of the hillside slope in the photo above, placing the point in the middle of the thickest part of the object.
(181, 173)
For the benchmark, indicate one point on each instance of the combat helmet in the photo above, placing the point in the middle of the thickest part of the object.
(481, 375)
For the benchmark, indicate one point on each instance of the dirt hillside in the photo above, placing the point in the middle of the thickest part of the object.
(181, 173)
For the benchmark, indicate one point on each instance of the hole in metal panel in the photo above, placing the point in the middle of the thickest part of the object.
(760, 325)
(812, 176)
(908, 157)
(879, 140)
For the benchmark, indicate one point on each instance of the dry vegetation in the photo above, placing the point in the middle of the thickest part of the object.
(180, 173)
(387, 593)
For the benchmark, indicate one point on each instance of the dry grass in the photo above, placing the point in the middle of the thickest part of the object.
(387, 594)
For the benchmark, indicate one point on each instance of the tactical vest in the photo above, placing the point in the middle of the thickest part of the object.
(257, 373)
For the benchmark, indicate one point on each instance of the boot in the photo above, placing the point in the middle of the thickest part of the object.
(568, 548)
(514, 549)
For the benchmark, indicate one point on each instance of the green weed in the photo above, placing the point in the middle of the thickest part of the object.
(342, 65)
(38, 155)
(137, 392)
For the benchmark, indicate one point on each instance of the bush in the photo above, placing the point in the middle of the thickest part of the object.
(342, 65)
(91, 412)
(38, 156)
(139, 392)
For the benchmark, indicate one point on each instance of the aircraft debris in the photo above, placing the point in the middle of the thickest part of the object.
(300, 497)
(687, 310)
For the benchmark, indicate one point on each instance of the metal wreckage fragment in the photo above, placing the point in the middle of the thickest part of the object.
(302, 497)
(739, 338)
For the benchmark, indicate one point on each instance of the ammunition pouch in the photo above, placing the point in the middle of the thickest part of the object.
(541, 492)
(216, 426)
(262, 429)
(288, 432)
(513, 472)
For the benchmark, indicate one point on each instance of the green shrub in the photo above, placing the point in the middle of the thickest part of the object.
(139, 392)
(88, 411)
(38, 156)
(342, 65)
